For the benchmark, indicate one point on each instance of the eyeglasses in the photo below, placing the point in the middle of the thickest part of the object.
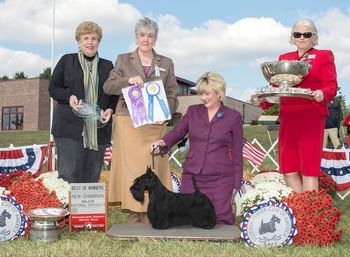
(305, 34)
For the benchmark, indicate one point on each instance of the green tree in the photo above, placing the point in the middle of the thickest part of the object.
(341, 98)
(46, 74)
(273, 110)
(4, 78)
(20, 75)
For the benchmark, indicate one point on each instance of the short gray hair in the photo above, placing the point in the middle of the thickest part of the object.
(147, 23)
(307, 23)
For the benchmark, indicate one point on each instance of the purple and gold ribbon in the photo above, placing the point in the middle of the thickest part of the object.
(139, 114)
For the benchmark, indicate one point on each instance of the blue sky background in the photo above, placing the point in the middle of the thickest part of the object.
(230, 37)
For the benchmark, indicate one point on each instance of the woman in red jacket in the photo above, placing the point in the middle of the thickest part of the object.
(302, 121)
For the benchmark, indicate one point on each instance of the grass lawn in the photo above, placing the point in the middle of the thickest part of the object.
(98, 244)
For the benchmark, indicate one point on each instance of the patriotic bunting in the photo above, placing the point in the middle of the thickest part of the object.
(336, 163)
(25, 158)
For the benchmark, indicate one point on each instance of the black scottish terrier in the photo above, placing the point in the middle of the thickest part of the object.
(168, 209)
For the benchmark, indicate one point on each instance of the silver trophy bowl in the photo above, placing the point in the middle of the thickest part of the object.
(44, 227)
(284, 75)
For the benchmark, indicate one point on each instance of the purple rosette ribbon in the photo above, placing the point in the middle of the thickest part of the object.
(139, 114)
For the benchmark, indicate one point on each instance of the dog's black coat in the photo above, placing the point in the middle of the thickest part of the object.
(168, 209)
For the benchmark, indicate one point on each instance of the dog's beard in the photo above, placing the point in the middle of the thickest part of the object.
(138, 192)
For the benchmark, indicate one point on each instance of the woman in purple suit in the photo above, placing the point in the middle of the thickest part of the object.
(215, 134)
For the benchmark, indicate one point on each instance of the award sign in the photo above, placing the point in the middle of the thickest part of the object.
(148, 104)
(88, 207)
(268, 224)
(12, 221)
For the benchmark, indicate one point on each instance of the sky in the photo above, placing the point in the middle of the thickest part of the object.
(226, 36)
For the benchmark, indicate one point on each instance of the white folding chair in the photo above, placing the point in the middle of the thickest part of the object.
(267, 155)
(270, 129)
(182, 146)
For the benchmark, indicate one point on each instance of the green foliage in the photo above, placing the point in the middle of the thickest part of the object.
(341, 98)
(273, 110)
(4, 78)
(20, 75)
(46, 74)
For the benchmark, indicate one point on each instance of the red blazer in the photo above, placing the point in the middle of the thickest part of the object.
(347, 120)
(322, 75)
(216, 146)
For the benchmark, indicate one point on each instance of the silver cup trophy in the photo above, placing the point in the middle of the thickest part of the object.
(44, 227)
(283, 75)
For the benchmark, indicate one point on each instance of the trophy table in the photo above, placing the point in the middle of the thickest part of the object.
(284, 75)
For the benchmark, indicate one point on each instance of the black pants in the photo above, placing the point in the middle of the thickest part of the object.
(77, 164)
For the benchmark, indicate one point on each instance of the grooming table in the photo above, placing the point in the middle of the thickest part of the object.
(135, 231)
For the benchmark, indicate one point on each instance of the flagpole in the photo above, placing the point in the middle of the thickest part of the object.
(51, 158)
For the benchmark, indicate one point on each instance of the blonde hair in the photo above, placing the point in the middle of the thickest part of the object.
(212, 81)
(307, 23)
(87, 27)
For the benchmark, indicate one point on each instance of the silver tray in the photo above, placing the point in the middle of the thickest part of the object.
(275, 96)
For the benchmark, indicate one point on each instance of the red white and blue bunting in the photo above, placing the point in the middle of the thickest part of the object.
(26, 158)
(175, 182)
(336, 163)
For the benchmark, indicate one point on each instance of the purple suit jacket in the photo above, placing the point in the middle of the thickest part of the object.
(216, 146)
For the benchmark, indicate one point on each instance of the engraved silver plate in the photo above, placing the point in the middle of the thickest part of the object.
(284, 75)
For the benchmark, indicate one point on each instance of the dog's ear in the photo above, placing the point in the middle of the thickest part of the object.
(149, 170)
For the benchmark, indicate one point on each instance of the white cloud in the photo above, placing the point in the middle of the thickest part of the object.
(213, 45)
(246, 95)
(219, 45)
(17, 61)
(30, 21)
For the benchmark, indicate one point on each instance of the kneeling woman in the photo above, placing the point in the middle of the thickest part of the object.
(215, 134)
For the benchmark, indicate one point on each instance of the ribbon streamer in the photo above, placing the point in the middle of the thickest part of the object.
(153, 90)
(139, 114)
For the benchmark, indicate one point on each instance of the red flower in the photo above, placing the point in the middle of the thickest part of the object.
(315, 218)
(28, 192)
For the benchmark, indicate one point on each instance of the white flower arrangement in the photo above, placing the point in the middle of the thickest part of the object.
(53, 183)
(262, 192)
(4, 191)
(268, 177)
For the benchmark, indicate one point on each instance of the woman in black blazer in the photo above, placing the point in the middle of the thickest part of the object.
(80, 76)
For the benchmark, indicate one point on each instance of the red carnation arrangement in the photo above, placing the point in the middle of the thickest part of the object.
(316, 219)
(29, 192)
(327, 182)
(32, 193)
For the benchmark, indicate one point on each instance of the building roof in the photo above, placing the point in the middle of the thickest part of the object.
(185, 82)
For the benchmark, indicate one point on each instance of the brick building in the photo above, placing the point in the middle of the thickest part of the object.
(188, 96)
(25, 104)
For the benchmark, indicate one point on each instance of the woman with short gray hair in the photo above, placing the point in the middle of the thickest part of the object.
(130, 149)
